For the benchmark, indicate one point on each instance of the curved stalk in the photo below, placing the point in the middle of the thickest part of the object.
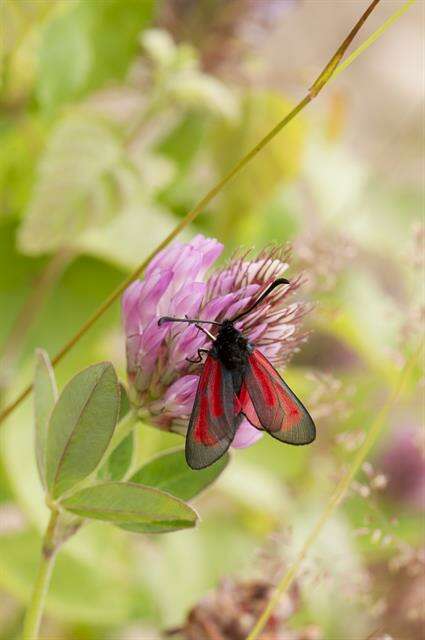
(56, 534)
(337, 496)
(36, 606)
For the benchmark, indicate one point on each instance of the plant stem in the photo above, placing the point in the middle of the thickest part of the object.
(122, 430)
(48, 553)
(336, 497)
(374, 37)
(323, 78)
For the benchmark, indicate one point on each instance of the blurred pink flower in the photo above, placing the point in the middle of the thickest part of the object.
(162, 382)
(403, 463)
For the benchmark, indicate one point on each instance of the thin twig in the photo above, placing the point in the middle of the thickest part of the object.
(47, 560)
(337, 496)
(316, 87)
(374, 37)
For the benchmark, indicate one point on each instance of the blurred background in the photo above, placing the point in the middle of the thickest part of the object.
(116, 116)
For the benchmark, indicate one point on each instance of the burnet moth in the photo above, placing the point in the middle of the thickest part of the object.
(238, 381)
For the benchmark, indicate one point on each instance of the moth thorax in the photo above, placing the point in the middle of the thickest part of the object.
(231, 347)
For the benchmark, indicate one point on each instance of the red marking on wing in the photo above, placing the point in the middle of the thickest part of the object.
(264, 381)
(247, 408)
(212, 424)
(201, 428)
(292, 413)
(209, 400)
(268, 403)
(237, 406)
(287, 414)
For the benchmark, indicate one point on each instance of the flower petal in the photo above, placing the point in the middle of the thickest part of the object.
(246, 435)
(130, 307)
(151, 293)
(210, 250)
(188, 300)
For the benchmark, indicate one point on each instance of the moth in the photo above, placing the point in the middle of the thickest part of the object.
(238, 381)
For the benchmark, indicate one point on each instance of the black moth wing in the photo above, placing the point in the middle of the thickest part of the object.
(268, 403)
(212, 424)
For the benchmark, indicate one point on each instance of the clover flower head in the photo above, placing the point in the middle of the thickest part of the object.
(176, 283)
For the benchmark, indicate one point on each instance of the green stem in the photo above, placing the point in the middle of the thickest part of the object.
(48, 553)
(51, 544)
(337, 496)
(122, 430)
(374, 37)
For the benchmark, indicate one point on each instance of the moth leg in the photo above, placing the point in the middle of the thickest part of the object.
(199, 358)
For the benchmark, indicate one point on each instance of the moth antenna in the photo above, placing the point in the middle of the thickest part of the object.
(265, 293)
(207, 333)
(188, 320)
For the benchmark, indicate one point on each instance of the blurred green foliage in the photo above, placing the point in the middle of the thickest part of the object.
(109, 132)
(101, 40)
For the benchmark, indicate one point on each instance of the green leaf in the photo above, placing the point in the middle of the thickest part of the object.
(122, 240)
(76, 187)
(45, 396)
(86, 45)
(90, 196)
(169, 471)
(119, 461)
(165, 526)
(125, 405)
(81, 426)
(115, 31)
(132, 506)
(16, 164)
(65, 59)
(183, 143)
